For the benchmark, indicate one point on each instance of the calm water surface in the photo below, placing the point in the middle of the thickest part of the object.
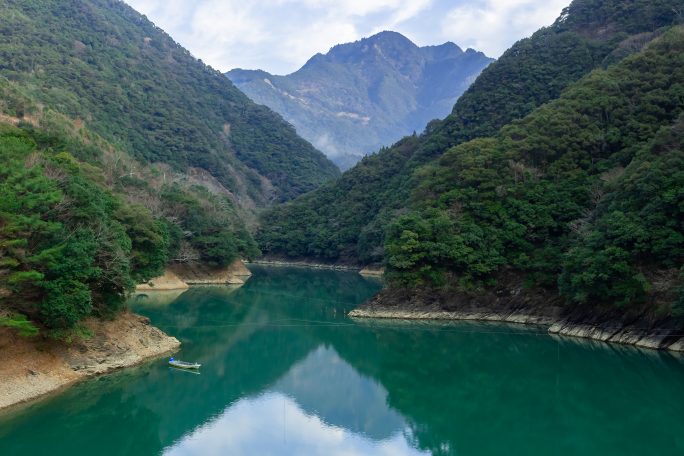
(287, 373)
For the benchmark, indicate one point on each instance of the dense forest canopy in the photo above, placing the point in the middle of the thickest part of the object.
(65, 251)
(586, 192)
(346, 220)
(122, 153)
(79, 228)
(101, 62)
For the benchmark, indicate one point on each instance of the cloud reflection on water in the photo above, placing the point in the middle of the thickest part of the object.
(275, 424)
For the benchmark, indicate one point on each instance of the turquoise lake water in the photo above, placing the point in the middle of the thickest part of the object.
(285, 372)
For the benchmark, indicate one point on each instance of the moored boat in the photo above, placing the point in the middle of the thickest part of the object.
(183, 365)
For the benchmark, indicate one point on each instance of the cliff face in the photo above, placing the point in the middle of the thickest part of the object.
(33, 367)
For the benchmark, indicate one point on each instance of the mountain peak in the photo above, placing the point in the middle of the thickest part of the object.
(447, 50)
(388, 36)
(363, 95)
(387, 41)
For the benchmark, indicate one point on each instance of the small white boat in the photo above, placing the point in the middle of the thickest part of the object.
(183, 365)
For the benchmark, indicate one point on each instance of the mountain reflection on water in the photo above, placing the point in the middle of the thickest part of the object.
(286, 372)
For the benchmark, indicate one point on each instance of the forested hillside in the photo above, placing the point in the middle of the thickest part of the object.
(121, 154)
(585, 194)
(104, 64)
(81, 222)
(347, 220)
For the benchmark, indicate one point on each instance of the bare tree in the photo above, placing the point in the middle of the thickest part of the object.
(186, 254)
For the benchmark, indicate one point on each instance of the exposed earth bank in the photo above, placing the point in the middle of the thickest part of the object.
(33, 367)
(517, 305)
(182, 276)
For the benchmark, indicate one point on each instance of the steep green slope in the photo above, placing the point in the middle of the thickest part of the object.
(363, 95)
(586, 192)
(346, 220)
(81, 222)
(103, 63)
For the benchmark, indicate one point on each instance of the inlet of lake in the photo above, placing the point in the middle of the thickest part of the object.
(286, 372)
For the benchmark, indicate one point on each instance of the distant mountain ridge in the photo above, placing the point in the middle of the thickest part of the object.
(364, 95)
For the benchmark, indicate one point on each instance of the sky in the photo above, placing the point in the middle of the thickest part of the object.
(279, 36)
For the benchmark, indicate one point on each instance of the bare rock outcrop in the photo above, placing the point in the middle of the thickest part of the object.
(199, 274)
(167, 282)
(181, 276)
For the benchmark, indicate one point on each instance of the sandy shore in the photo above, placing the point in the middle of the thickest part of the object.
(34, 367)
(167, 282)
(372, 271)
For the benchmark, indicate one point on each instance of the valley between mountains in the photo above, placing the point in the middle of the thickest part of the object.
(544, 187)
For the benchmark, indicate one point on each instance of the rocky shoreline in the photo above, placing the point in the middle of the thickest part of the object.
(305, 264)
(368, 271)
(36, 367)
(398, 305)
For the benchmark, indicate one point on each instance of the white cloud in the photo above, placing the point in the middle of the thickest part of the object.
(170, 14)
(492, 26)
(277, 35)
(349, 8)
(281, 35)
